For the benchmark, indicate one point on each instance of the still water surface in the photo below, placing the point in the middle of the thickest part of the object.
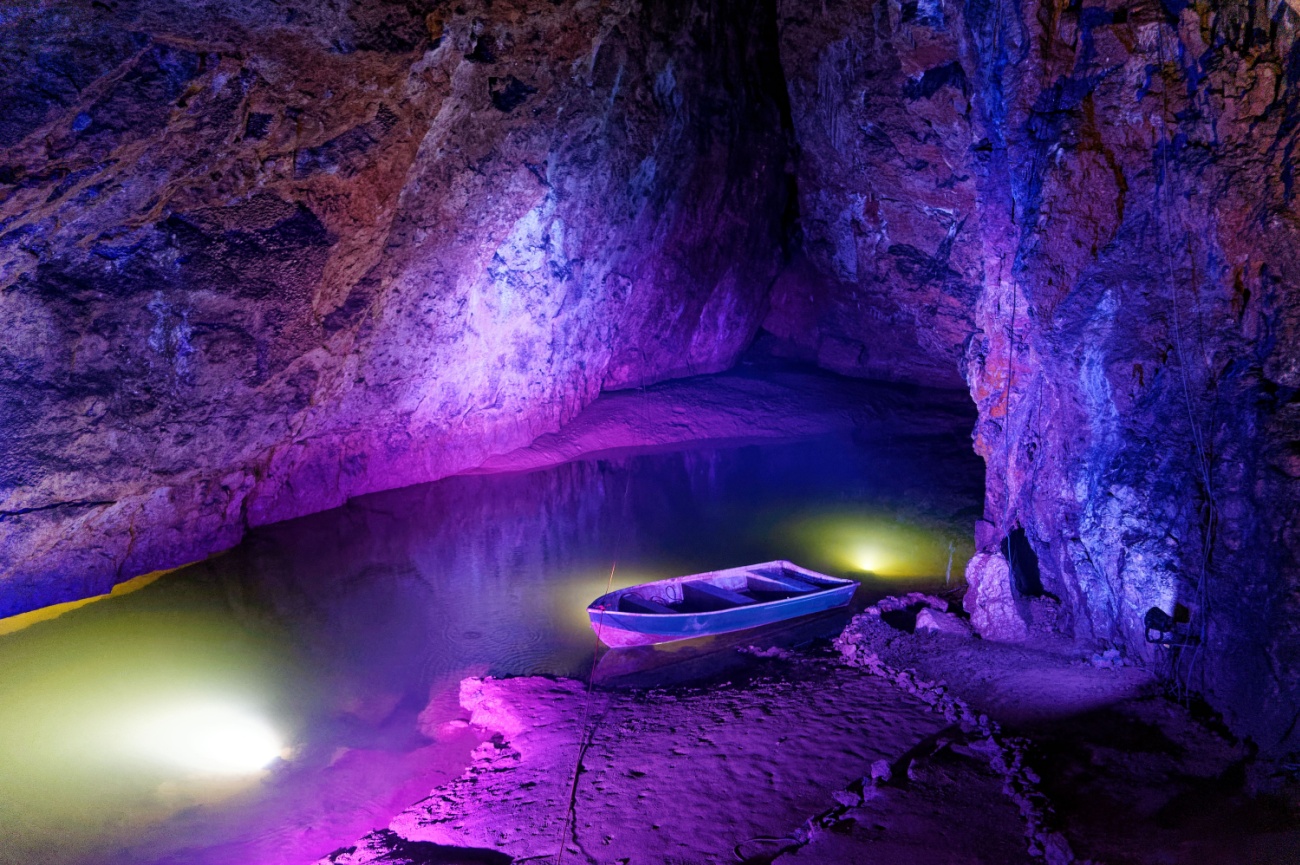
(278, 701)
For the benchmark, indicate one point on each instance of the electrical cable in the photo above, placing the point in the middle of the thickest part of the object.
(584, 740)
(1209, 520)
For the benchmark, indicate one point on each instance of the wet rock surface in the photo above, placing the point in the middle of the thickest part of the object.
(1122, 772)
(974, 751)
(742, 771)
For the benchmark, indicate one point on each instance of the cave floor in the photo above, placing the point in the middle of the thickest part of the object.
(801, 757)
(1129, 775)
(745, 769)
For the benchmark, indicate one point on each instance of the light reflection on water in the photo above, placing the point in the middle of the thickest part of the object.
(331, 646)
(876, 546)
(79, 695)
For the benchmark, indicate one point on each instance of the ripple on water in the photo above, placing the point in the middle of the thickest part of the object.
(512, 648)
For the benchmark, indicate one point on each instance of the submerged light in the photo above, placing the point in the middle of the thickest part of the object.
(866, 557)
(875, 544)
(208, 738)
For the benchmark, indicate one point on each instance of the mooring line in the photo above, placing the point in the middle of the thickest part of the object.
(569, 829)
(584, 741)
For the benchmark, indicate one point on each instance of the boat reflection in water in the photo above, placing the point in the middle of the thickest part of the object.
(704, 658)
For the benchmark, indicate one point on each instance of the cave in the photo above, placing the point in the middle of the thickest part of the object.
(353, 348)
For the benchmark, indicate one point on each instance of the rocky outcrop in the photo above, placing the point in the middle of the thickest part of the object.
(1089, 208)
(1134, 364)
(258, 258)
(889, 263)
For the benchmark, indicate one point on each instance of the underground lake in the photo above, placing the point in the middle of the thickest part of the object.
(283, 698)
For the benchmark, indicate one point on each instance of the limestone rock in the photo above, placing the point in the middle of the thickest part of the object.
(1087, 210)
(256, 259)
(990, 599)
(933, 622)
(885, 282)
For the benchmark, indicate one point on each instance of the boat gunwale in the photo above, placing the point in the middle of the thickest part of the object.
(836, 583)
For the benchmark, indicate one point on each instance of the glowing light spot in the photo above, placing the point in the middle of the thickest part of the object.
(866, 558)
(879, 544)
(208, 738)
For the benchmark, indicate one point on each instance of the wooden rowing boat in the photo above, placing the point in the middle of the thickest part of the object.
(716, 602)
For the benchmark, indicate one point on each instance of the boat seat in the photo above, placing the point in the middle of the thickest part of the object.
(714, 596)
(768, 582)
(638, 604)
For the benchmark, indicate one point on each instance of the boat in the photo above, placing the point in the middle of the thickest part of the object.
(715, 602)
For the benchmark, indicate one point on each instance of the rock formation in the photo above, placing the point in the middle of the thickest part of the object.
(1136, 357)
(889, 268)
(1088, 207)
(256, 258)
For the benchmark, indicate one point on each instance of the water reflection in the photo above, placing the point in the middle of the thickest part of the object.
(878, 545)
(277, 702)
(705, 658)
(82, 701)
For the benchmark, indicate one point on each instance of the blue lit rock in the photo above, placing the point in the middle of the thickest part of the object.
(1119, 286)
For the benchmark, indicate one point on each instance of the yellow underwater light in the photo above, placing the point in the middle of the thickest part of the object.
(205, 737)
(875, 544)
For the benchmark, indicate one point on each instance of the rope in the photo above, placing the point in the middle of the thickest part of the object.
(1006, 403)
(585, 740)
(1203, 467)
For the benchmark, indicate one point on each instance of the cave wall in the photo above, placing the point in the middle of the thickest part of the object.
(1135, 366)
(258, 257)
(1134, 363)
(889, 262)
(1088, 209)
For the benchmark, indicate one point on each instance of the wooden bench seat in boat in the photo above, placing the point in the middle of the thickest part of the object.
(713, 597)
(638, 604)
(769, 582)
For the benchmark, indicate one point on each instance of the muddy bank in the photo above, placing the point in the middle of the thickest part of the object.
(899, 744)
(744, 769)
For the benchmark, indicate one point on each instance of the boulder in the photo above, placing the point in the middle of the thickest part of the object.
(990, 599)
(934, 622)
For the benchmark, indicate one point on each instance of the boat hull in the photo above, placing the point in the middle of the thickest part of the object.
(618, 629)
